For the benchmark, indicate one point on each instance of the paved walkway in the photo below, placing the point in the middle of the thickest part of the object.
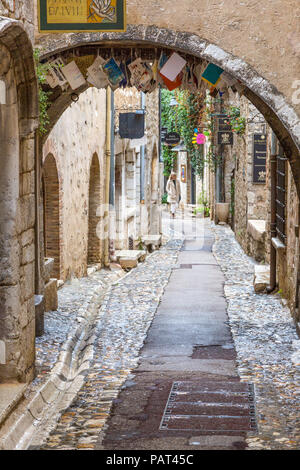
(186, 387)
(189, 352)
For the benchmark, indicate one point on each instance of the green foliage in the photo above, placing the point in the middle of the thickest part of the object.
(202, 198)
(164, 199)
(169, 159)
(182, 118)
(41, 71)
(236, 121)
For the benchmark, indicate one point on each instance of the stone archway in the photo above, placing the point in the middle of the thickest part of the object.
(94, 253)
(275, 107)
(19, 112)
(52, 210)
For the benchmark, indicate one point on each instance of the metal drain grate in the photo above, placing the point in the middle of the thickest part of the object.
(210, 406)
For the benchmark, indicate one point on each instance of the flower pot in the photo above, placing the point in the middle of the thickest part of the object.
(222, 212)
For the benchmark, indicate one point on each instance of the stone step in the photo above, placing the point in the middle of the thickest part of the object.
(152, 240)
(129, 259)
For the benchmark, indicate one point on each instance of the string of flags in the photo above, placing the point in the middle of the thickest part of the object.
(169, 72)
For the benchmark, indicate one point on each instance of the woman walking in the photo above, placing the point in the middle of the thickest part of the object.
(173, 190)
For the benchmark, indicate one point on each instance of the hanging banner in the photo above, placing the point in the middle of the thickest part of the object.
(72, 16)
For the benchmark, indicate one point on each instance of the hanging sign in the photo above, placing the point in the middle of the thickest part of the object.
(131, 125)
(172, 138)
(225, 138)
(223, 125)
(64, 16)
(163, 133)
(259, 158)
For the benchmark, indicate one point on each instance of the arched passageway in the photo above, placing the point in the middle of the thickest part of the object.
(150, 40)
(52, 214)
(94, 254)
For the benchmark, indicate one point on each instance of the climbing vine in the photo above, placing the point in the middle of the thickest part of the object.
(41, 71)
(235, 120)
(183, 118)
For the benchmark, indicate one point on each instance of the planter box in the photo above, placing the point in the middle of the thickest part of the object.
(222, 212)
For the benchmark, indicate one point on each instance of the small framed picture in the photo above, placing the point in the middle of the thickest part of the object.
(183, 173)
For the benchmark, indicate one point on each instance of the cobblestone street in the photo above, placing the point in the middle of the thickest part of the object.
(122, 324)
(263, 331)
(267, 345)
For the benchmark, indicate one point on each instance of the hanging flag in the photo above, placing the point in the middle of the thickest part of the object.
(172, 85)
(212, 74)
(173, 67)
(73, 75)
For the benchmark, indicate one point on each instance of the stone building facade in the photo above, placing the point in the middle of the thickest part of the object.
(250, 202)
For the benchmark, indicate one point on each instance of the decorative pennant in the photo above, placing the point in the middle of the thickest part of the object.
(212, 74)
(140, 74)
(73, 75)
(55, 76)
(96, 76)
(173, 66)
(113, 72)
(172, 85)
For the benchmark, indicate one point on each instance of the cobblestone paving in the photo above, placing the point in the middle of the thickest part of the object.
(267, 345)
(72, 298)
(123, 322)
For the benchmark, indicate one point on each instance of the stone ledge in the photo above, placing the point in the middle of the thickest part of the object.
(257, 229)
(10, 396)
(278, 244)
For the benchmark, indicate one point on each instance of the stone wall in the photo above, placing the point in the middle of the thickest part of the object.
(18, 117)
(22, 10)
(77, 140)
(136, 215)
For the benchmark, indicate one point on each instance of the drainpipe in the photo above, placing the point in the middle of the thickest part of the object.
(273, 171)
(112, 153)
(37, 149)
(107, 178)
(142, 163)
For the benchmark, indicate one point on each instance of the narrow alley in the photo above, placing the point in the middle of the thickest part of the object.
(149, 227)
(172, 370)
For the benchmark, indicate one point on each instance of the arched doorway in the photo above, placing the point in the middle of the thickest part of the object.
(52, 214)
(94, 254)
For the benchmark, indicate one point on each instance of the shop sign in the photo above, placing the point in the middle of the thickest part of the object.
(172, 139)
(222, 124)
(225, 138)
(69, 16)
(259, 158)
(163, 133)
